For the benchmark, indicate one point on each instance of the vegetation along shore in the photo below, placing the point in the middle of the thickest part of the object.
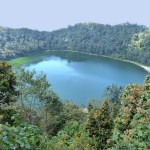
(37, 118)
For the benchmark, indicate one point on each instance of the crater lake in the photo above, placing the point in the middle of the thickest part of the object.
(81, 77)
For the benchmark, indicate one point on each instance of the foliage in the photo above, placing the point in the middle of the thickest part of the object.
(139, 47)
(51, 124)
(123, 122)
(114, 41)
(38, 103)
(7, 83)
(132, 124)
(73, 136)
(74, 112)
(100, 125)
(6, 113)
(21, 137)
(113, 92)
(27, 98)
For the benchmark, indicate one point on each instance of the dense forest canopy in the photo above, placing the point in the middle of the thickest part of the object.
(127, 41)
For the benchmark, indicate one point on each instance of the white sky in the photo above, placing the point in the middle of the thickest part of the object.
(55, 14)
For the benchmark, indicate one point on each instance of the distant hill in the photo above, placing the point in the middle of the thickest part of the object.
(117, 41)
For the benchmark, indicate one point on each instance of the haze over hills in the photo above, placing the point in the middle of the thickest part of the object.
(127, 41)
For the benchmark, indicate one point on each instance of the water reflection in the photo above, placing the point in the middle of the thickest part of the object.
(79, 77)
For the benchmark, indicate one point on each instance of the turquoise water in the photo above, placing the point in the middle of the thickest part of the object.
(80, 77)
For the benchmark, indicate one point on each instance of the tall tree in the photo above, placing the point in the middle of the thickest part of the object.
(132, 125)
(38, 102)
(7, 83)
(100, 125)
(113, 93)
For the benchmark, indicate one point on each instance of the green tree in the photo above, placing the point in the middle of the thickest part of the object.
(7, 83)
(112, 93)
(100, 125)
(132, 125)
(74, 112)
(38, 103)
(52, 114)
(24, 137)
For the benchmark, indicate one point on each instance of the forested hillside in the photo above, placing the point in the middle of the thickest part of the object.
(35, 118)
(119, 41)
(139, 47)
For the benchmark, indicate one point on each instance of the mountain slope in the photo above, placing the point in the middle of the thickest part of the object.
(84, 37)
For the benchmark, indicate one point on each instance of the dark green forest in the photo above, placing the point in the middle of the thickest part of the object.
(124, 41)
(33, 117)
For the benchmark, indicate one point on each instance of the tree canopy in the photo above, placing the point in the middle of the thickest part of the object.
(7, 83)
(127, 41)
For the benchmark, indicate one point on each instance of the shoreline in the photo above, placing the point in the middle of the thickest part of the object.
(146, 68)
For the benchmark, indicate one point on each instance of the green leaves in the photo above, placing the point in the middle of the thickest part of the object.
(133, 121)
(129, 130)
(38, 103)
(7, 83)
(137, 116)
(21, 137)
(100, 125)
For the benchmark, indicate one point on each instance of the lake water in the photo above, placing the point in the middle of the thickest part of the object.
(80, 77)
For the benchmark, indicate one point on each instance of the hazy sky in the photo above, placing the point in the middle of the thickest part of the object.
(54, 14)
